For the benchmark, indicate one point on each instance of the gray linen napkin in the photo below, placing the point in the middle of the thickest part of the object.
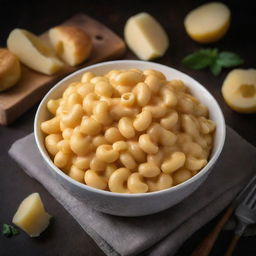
(162, 233)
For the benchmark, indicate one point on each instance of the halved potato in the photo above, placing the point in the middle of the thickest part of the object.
(33, 52)
(239, 90)
(208, 23)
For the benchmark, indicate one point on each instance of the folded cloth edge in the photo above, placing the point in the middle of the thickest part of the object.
(109, 251)
(99, 240)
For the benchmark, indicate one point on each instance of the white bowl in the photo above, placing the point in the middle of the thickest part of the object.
(132, 204)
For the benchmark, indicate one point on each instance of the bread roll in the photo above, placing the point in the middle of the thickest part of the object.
(72, 44)
(9, 69)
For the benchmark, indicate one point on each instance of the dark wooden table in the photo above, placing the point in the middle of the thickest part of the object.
(65, 236)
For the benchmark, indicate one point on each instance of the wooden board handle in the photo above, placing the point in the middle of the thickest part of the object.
(232, 245)
(207, 244)
(33, 85)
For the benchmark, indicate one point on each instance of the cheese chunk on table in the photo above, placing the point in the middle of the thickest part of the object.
(31, 216)
(145, 36)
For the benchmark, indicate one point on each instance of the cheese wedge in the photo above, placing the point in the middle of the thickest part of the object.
(31, 216)
(239, 90)
(145, 36)
(33, 52)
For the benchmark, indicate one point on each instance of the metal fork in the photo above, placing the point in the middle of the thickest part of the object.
(246, 215)
(206, 245)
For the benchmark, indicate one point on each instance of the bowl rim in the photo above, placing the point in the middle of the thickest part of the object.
(208, 166)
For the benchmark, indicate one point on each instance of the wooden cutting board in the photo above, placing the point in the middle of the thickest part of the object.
(33, 85)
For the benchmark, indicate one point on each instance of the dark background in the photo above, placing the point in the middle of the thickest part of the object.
(65, 236)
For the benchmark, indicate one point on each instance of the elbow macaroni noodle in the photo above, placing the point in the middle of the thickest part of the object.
(129, 131)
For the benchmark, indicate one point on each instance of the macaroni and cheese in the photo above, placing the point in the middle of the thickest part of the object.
(129, 131)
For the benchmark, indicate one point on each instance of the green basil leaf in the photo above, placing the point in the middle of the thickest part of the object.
(229, 59)
(14, 230)
(214, 52)
(215, 68)
(209, 51)
(6, 230)
(210, 57)
(9, 230)
(199, 59)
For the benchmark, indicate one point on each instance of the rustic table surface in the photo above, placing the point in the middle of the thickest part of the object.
(65, 236)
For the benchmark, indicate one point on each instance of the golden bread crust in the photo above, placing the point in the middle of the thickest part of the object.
(78, 38)
(9, 69)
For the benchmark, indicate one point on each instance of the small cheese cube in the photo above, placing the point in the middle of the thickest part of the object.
(145, 36)
(31, 216)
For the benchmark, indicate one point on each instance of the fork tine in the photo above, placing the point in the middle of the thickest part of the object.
(246, 188)
(253, 198)
(254, 203)
(249, 200)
